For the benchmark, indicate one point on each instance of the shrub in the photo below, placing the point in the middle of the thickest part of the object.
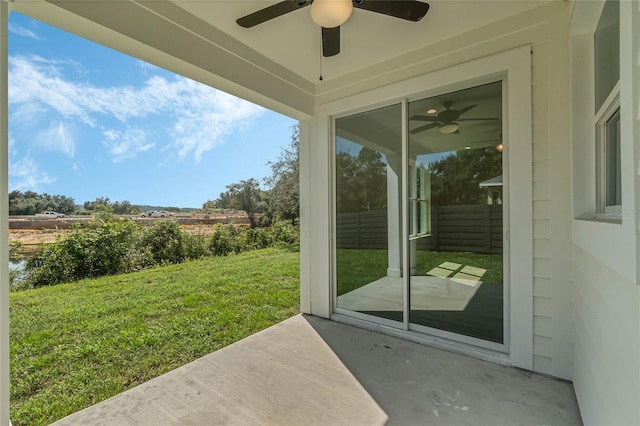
(224, 240)
(164, 241)
(14, 249)
(285, 232)
(104, 248)
(257, 238)
(195, 246)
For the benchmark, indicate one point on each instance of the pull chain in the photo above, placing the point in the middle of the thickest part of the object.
(321, 57)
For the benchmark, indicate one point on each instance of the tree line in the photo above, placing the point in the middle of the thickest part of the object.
(272, 199)
(276, 198)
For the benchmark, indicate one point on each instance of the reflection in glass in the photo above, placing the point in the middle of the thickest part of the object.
(368, 230)
(454, 206)
(455, 162)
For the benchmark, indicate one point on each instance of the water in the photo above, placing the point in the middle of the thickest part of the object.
(16, 265)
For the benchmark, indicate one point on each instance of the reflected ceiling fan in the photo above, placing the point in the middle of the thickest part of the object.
(330, 14)
(446, 121)
(494, 144)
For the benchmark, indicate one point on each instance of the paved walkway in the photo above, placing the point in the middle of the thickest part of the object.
(308, 370)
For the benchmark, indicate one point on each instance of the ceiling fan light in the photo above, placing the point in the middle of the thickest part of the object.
(331, 13)
(448, 128)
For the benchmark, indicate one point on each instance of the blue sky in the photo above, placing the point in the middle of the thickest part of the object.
(86, 121)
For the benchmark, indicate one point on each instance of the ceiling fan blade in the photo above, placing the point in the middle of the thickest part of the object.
(423, 128)
(270, 12)
(477, 119)
(330, 41)
(407, 10)
(487, 141)
(465, 109)
(423, 118)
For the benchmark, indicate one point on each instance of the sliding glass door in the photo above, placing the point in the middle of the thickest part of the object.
(419, 217)
(368, 166)
(456, 184)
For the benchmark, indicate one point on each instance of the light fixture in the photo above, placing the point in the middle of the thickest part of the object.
(499, 147)
(331, 13)
(448, 128)
(431, 111)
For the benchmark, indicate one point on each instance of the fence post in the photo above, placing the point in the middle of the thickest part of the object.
(435, 232)
(358, 221)
(487, 225)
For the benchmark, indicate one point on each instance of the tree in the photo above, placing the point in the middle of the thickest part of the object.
(244, 195)
(29, 203)
(283, 196)
(101, 204)
(361, 181)
(123, 207)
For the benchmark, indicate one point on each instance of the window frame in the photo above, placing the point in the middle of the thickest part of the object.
(610, 108)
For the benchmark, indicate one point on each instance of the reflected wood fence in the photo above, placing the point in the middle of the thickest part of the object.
(473, 228)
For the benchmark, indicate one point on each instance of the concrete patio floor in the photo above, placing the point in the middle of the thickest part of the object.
(307, 370)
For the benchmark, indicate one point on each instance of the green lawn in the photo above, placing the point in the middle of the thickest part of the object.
(358, 267)
(73, 345)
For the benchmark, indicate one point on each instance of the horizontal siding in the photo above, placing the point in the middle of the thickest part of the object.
(542, 346)
(542, 307)
(542, 364)
(543, 326)
(542, 249)
(542, 288)
(541, 230)
(607, 342)
(541, 209)
(541, 190)
(542, 277)
(540, 171)
(541, 268)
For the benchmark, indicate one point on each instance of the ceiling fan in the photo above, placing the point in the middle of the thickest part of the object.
(330, 14)
(446, 121)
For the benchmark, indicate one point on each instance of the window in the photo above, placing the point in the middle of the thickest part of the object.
(420, 224)
(609, 174)
(607, 105)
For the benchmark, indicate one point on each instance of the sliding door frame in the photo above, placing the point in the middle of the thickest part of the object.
(513, 67)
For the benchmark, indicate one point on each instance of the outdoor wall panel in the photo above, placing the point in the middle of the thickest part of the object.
(542, 287)
(542, 346)
(607, 343)
(542, 306)
(540, 190)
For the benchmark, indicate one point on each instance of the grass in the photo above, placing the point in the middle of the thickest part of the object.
(73, 345)
(359, 267)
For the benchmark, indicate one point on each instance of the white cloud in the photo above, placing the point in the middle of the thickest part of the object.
(126, 144)
(58, 137)
(197, 117)
(23, 32)
(26, 174)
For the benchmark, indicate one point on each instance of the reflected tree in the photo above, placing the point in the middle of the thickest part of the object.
(455, 180)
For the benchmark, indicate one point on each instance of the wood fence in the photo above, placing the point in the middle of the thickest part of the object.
(475, 228)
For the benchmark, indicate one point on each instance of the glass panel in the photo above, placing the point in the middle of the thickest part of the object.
(455, 160)
(368, 228)
(612, 161)
(607, 51)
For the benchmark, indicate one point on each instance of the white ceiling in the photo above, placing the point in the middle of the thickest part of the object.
(293, 40)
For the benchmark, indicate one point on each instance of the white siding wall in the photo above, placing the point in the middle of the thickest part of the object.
(552, 305)
(605, 256)
(546, 29)
(607, 353)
